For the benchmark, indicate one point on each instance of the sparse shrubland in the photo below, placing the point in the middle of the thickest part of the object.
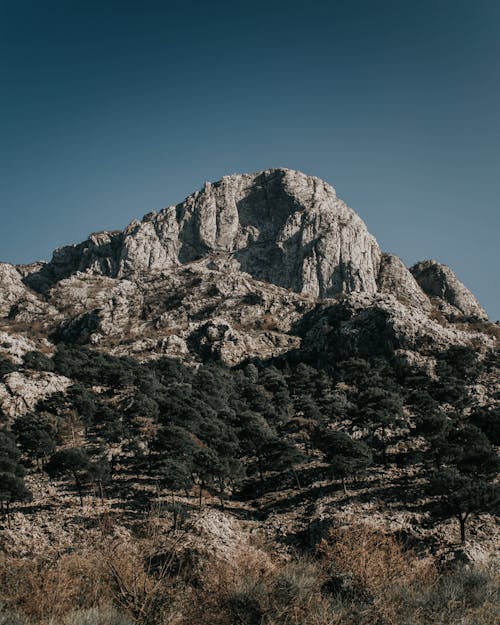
(357, 575)
(255, 441)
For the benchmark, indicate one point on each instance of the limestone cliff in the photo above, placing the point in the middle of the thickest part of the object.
(234, 272)
(280, 226)
(439, 281)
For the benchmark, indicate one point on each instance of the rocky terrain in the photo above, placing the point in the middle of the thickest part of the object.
(196, 365)
(230, 271)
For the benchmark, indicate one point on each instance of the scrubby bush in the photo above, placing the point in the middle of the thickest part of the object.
(38, 361)
(124, 581)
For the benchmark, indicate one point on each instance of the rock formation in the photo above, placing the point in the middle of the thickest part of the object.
(234, 272)
(440, 282)
(395, 278)
(20, 392)
(280, 226)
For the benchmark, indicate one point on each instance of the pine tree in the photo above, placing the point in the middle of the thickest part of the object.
(460, 496)
(487, 419)
(346, 457)
(73, 461)
(12, 486)
(35, 436)
(381, 409)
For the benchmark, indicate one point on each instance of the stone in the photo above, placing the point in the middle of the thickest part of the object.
(395, 278)
(21, 390)
(12, 288)
(279, 225)
(233, 272)
(439, 281)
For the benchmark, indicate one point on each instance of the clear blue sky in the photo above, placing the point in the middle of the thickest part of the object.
(110, 109)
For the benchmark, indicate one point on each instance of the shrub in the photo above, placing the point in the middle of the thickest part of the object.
(38, 361)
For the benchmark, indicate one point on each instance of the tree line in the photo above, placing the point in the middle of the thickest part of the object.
(218, 429)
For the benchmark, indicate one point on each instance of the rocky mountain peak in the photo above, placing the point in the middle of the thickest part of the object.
(230, 272)
(252, 265)
(280, 225)
(439, 281)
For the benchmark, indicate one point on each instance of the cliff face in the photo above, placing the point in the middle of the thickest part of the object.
(396, 279)
(439, 281)
(280, 226)
(231, 273)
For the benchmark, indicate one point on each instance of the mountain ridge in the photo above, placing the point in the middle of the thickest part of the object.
(278, 225)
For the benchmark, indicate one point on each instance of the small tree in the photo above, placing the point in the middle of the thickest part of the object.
(38, 361)
(12, 486)
(73, 461)
(99, 472)
(381, 410)
(35, 436)
(487, 419)
(255, 435)
(281, 454)
(206, 465)
(174, 475)
(461, 496)
(346, 457)
(6, 366)
(467, 449)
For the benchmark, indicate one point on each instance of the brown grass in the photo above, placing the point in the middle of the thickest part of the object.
(360, 576)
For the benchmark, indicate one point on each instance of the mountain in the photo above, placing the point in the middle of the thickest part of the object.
(193, 402)
(279, 226)
(255, 265)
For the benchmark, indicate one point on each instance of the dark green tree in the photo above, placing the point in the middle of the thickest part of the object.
(280, 454)
(487, 419)
(84, 402)
(255, 436)
(12, 486)
(381, 410)
(38, 361)
(174, 475)
(99, 473)
(347, 457)
(468, 450)
(6, 366)
(460, 496)
(36, 436)
(206, 466)
(72, 461)
(356, 371)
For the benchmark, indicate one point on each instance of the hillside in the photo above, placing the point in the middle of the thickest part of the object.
(241, 410)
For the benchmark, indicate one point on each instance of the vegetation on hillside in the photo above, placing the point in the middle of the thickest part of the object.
(235, 435)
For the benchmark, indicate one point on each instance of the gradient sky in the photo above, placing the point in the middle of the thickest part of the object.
(110, 109)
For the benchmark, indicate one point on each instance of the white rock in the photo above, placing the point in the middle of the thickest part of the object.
(20, 391)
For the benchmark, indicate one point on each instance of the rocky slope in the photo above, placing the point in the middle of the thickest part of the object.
(439, 281)
(279, 226)
(233, 464)
(228, 274)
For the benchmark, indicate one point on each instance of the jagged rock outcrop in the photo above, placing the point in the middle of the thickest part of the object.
(200, 310)
(19, 303)
(229, 274)
(395, 278)
(439, 281)
(15, 346)
(12, 288)
(379, 325)
(279, 225)
(20, 391)
(218, 340)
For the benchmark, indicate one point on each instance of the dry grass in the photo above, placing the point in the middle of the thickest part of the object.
(45, 589)
(359, 576)
(374, 559)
